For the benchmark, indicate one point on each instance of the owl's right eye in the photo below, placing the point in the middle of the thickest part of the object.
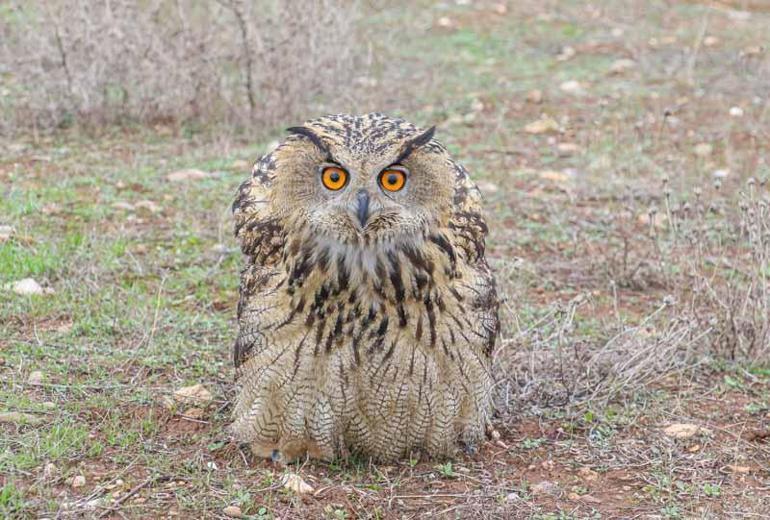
(334, 178)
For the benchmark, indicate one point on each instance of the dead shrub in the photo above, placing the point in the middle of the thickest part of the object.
(243, 63)
(709, 255)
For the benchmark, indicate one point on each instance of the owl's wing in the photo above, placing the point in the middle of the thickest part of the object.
(467, 221)
(261, 238)
(256, 229)
(469, 231)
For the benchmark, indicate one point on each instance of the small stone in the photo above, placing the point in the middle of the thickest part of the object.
(684, 430)
(194, 395)
(721, 173)
(78, 481)
(187, 175)
(124, 206)
(49, 470)
(35, 378)
(232, 512)
(622, 66)
(220, 249)
(567, 149)
(703, 149)
(535, 96)
(28, 287)
(710, 41)
(736, 111)
(6, 232)
(544, 125)
(566, 54)
(444, 21)
(572, 87)
(294, 483)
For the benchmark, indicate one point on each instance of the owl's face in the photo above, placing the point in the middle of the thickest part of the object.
(362, 180)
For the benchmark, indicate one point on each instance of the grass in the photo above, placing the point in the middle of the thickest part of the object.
(144, 278)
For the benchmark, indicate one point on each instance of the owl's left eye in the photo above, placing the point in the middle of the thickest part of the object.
(392, 179)
(334, 178)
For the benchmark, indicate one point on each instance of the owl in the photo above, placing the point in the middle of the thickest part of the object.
(367, 312)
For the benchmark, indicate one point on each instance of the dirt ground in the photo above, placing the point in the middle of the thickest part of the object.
(567, 114)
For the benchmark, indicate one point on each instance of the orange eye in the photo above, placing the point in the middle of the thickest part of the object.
(334, 178)
(392, 180)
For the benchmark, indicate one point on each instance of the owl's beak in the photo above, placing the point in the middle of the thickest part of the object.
(362, 207)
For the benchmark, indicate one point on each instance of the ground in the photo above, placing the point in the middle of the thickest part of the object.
(567, 114)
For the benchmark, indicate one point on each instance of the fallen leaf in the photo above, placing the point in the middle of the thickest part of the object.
(294, 483)
(684, 430)
(588, 474)
(553, 175)
(710, 41)
(738, 469)
(19, 418)
(444, 21)
(147, 205)
(233, 512)
(78, 481)
(194, 413)
(703, 149)
(535, 96)
(194, 395)
(186, 175)
(544, 125)
(546, 487)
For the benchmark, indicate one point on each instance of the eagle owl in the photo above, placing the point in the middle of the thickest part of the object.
(367, 312)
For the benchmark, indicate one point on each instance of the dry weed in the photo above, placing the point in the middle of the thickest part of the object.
(247, 64)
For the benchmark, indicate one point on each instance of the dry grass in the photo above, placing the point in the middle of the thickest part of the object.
(245, 64)
(710, 257)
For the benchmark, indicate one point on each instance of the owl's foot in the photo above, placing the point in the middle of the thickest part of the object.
(470, 448)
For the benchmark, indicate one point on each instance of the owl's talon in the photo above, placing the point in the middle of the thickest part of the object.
(276, 456)
(470, 449)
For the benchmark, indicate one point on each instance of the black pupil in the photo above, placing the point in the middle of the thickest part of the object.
(392, 178)
(334, 177)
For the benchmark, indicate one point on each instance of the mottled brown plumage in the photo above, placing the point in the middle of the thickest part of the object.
(371, 338)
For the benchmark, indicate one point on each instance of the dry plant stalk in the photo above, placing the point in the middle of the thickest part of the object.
(245, 63)
(712, 257)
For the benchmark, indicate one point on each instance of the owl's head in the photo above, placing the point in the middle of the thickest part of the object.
(362, 180)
